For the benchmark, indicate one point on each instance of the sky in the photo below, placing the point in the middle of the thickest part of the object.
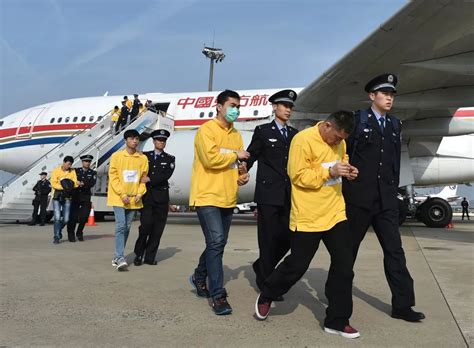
(60, 49)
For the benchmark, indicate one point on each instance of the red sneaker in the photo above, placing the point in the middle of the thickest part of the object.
(262, 307)
(348, 332)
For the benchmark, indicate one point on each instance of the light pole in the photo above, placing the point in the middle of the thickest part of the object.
(214, 54)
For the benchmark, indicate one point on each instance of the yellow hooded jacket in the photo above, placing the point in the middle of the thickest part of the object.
(215, 167)
(125, 173)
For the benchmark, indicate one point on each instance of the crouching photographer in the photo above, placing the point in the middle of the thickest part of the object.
(63, 181)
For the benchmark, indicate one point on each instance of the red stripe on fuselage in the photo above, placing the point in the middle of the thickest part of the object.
(464, 113)
(42, 128)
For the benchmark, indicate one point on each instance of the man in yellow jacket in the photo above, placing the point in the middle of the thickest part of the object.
(216, 175)
(125, 191)
(317, 162)
(63, 181)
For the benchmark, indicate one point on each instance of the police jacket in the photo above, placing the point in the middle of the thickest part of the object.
(135, 107)
(270, 149)
(160, 169)
(42, 188)
(377, 157)
(88, 177)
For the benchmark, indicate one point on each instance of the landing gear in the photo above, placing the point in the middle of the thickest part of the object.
(435, 212)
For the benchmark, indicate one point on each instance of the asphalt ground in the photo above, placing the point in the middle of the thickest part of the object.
(70, 295)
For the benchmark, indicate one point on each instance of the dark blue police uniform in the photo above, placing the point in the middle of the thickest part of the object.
(371, 199)
(42, 189)
(270, 147)
(154, 213)
(81, 201)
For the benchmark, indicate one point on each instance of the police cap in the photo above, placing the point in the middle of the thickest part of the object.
(284, 96)
(43, 173)
(87, 158)
(384, 82)
(131, 133)
(160, 134)
(135, 95)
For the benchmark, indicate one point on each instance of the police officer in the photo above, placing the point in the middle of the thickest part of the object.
(270, 146)
(465, 208)
(155, 202)
(123, 118)
(81, 199)
(42, 189)
(135, 107)
(374, 148)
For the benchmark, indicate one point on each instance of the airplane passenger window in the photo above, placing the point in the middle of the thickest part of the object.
(66, 119)
(60, 119)
(52, 120)
(83, 118)
(74, 119)
(1, 123)
(255, 112)
(99, 118)
(211, 114)
(201, 114)
(91, 118)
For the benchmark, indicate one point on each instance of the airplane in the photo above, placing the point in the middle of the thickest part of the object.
(427, 44)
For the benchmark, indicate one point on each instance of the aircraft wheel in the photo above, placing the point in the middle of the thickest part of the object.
(436, 212)
(236, 210)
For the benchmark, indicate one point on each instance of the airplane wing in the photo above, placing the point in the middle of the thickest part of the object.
(428, 44)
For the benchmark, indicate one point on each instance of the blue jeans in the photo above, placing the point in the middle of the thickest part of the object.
(60, 208)
(123, 221)
(215, 224)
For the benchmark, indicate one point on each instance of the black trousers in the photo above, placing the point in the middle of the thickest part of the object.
(273, 239)
(339, 282)
(465, 211)
(152, 223)
(385, 224)
(39, 205)
(78, 215)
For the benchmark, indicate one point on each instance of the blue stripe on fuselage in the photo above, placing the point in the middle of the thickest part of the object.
(39, 141)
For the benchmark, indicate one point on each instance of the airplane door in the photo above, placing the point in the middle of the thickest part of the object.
(24, 131)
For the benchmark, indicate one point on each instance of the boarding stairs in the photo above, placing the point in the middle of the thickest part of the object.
(99, 141)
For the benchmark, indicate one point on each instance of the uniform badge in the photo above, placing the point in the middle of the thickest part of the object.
(366, 130)
(272, 140)
(291, 94)
(172, 165)
(390, 78)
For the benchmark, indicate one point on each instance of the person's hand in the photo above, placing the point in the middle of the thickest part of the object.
(81, 183)
(137, 198)
(339, 169)
(145, 179)
(242, 154)
(353, 173)
(242, 168)
(126, 199)
(243, 179)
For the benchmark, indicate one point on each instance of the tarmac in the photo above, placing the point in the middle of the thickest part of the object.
(70, 295)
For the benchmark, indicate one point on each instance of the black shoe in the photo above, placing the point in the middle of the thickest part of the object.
(221, 306)
(407, 314)
(42, 224)
(137, 261)
(152, 263)
(201, 287)
(72, 240)
(31, 223)
(80, 239)
(56, 241)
